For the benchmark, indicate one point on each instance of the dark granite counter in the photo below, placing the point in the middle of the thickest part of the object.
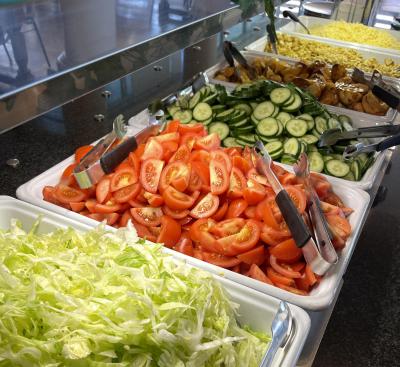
(365, 325)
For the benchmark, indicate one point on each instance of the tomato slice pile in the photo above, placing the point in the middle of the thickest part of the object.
(182, 189)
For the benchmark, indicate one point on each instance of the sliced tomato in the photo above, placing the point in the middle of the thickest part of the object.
(81, 152)
(181, 155)
(209, 142)
(233, 151)
(335, 200)
(236, 208)
(170, 231)
(133, 160)
(177, 200)
(67, 177)
(127, 193)
(150, 174)
(254, 192)
(286, 251)
(206, 207)
(189, 140)
(169, 149)
(240, 163)
(220, 260)
(203, 172)
(242, 241)
(154, 200)
(254, 256)
(77, 207)
(256, 273)
(176, 174)
(272, 236)
(91, 205)
(143, 231)
(310, 276)
(228, 227)
(147, 216)
(152, 150)
(250, 212)
(200, 225)
(49, 195)
(288, 179)
(278, 278)
(220, 156)
(191, 128)
(125, 218)
(96, 216)
(103, 190)
(172, 127)
(298, 197)
(66, 194)
(200, 156)
(282, 270)
(168, 137)
(237, 183)
(107, 208)
(221, 211)
(339, 226)
(185, 245)
(253, 174)
(195, 181)
(219, 180)
(123, 177)
(292, 289)
(264, 212)
(176, 214)
(322, 188)
(112, 218)
(139, 151)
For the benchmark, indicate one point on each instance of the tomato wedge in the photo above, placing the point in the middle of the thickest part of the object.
(152, 150)
(77, 207)
(191, 128)
(220, 260)
(167, 137)
(125, 218)
(123, 177)
(278, 278)
(298, 197)
(264, 212)
(150, 174)
(254, 256)
(254, 192)
(154, 200)
(206, 207)
(67, 177)
(177, 200)
(49, 195)
(103, 190)
(185, 245)
(209, 142)
(203, 172)
(81, 152)
(240, 163)
(170, 231)
(282, 270)
(181, 155)
(256, 273)
(127, 193)
(107, 208)
(236, 208)
(176, 214)
(219, 181)
(339, 226)
(237, 183)
(286, 251)
(222, 157)
(228, 227)
(176, 174)
(66, 194)
(221, 211)
(147, 216)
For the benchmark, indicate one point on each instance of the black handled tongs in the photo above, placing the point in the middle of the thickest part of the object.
(231, 53)
(322, 233)
(292, 16)
(105, 156)
(300, 231)
(379, 88)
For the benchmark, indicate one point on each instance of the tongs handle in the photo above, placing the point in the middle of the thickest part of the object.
(114, 157)
(388, 143)
(292, 16)
(231, 52)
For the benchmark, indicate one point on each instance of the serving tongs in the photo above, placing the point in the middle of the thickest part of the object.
(332, 136)
(300, 231)
(231, 53)
(322, 233)
(379, 88)
(292, 16)
(281, 329)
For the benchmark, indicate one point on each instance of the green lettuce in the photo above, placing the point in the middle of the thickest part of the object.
(108, 299)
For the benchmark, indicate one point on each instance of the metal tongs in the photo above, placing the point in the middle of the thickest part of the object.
(300, 232)
(379, 88)
(292, 16)
(105, 156)
(231, 54)
(356, 149)
(322, 233)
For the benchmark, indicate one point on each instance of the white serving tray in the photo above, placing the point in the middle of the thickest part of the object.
(319, 298)
(363, 119)
(255, 309)
(310, 22)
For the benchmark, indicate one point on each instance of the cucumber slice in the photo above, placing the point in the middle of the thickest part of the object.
(254, 120)
(356, 170)
(249, 138)
(268, 140)
(243, 143)
(312, 148)
(241, 123)
(268, 127)
(347, 126)
(288, 159)
(289, 101)
(172, 109)
(243, 130)
(303, 147)
(337, 168)
(202, 111)
(305, 116)
(277, 154)
(283, 117)
(206, 122)
(327, 158)
(244, 107)
(264, 110)
(195, 100)
(253, 105)
(349, 176)
(184, 116)
(225, 115)
(210, 98)
(292, 147)
(316, 133)
(281, 127)
(316, 162)
(367, 164)
(309, 139)
(295, 106)
(230, 142)
(334, 124)
(221, 129)
(205, 91)
(276, 112)
(296, 127)
(320, 124)
(280, 96)
(344, 118)
(274, 147)
(238, 117)
(310, 124)
(218, 108)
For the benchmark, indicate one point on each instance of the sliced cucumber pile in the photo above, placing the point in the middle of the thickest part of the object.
(286, 119)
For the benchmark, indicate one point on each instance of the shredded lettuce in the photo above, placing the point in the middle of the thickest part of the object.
(102, 299)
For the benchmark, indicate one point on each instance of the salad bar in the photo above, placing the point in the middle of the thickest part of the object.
(213, 228)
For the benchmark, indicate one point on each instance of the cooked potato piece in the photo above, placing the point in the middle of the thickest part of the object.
(338, 72)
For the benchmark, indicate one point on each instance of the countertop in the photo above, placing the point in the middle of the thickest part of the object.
(364, 328)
